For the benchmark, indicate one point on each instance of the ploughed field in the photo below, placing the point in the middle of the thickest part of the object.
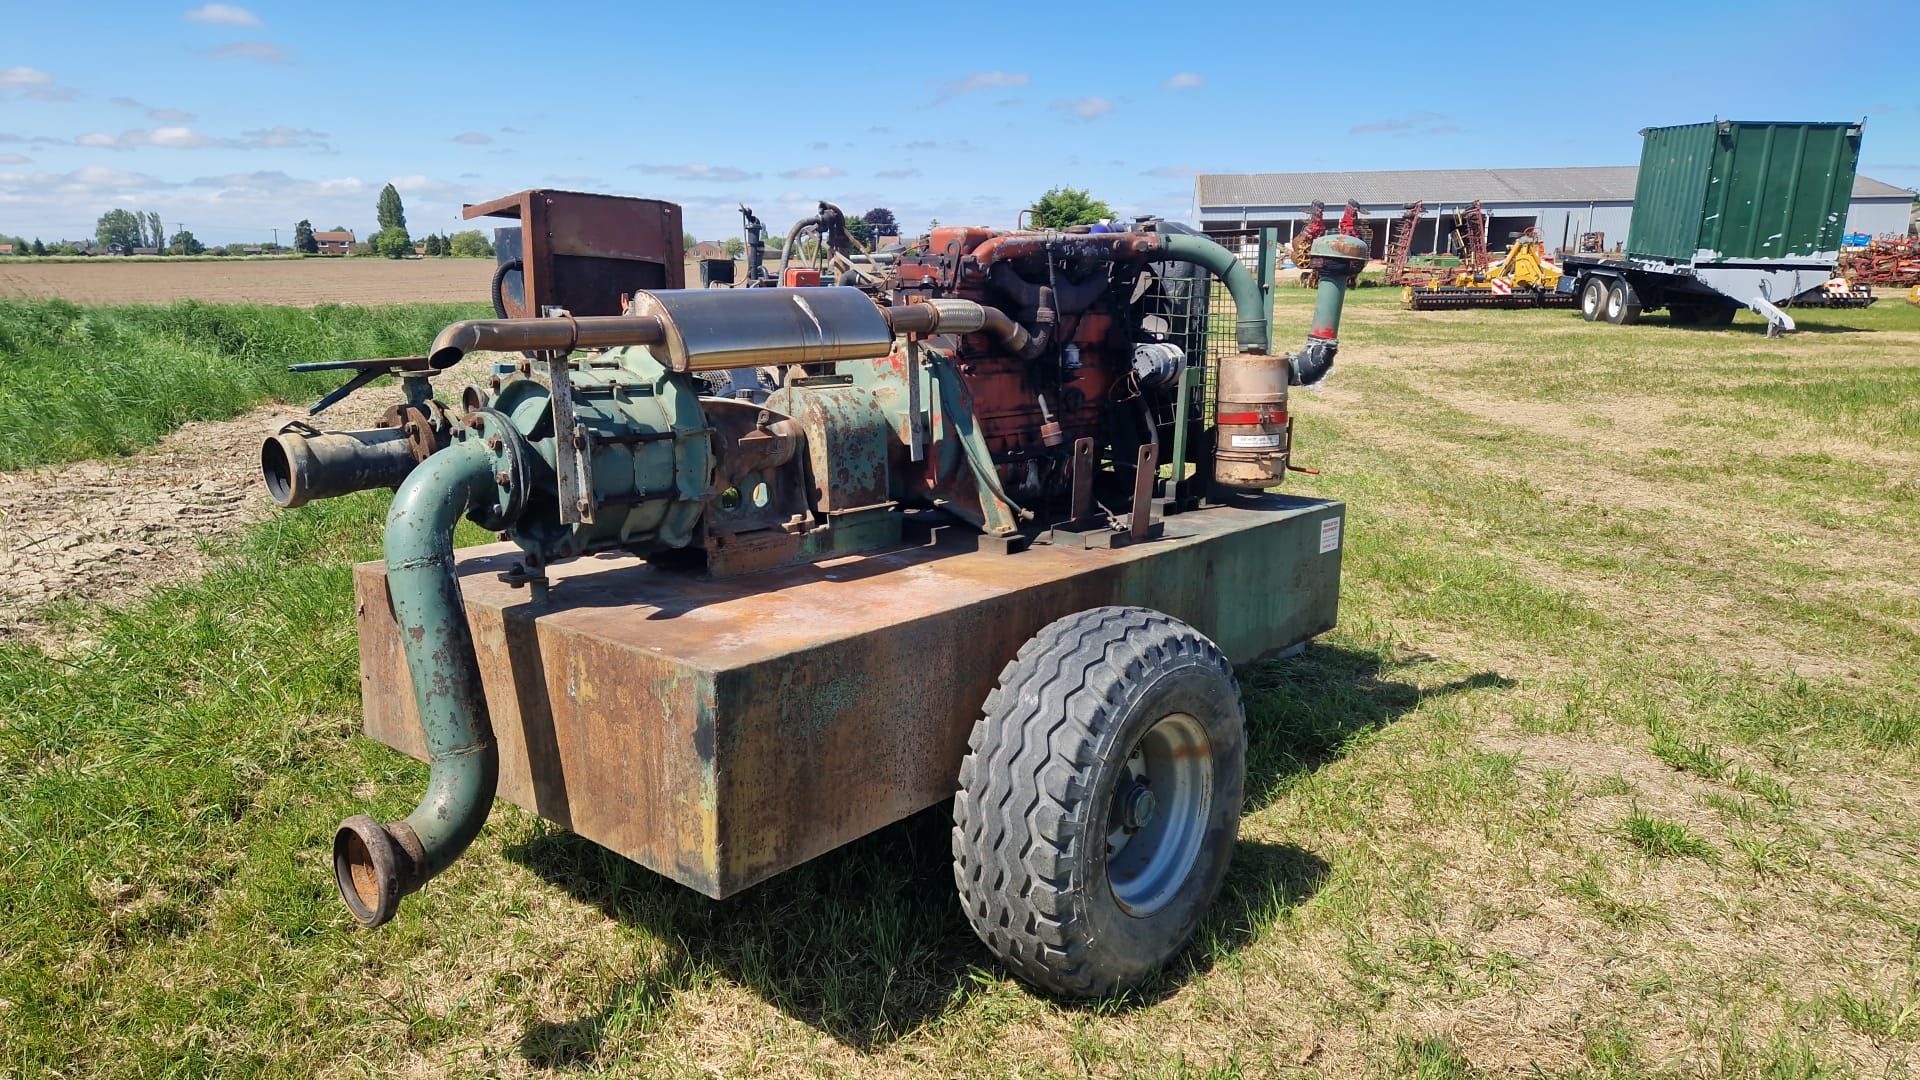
(294, 282)
(1611, 769)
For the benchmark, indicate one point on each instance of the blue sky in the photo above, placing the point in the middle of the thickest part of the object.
(237, 119)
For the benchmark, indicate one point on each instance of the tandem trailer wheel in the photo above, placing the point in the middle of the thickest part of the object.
(1100, 800)
(1623, 306)
(1593, 298)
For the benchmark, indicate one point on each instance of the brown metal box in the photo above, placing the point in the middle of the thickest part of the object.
(584, 252)
(720, 731)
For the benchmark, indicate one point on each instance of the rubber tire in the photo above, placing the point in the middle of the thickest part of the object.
(1621, 309)
(1593, 298)
(1030, 820)
(1719, 315)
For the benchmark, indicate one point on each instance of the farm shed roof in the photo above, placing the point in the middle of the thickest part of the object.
(1606, 183)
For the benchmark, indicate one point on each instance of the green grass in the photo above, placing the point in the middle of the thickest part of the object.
(79, 382)
(1607, 772)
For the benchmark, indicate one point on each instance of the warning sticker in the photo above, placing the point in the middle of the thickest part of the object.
(1329, 535)
(1267, 441)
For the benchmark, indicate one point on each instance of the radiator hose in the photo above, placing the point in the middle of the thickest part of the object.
(374, 864)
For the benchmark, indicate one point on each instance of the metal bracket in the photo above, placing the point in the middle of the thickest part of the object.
(573, 448)
(1145, 468)
(365, 372)
(916, 423)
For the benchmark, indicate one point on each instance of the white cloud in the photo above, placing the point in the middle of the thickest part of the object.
(14, 159)
(976, 82)
(473, 138)
(1174, 172)
(161, 114)
(1185, 80)
(222, 15)
(265, 52)
(897, 174)
(282, 137)
(1427, 123)
(1085, 108)
(813, 172)
(722, 174)
(33, 83)
(185, 138)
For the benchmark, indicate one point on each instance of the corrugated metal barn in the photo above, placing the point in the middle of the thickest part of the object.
(1561, 203)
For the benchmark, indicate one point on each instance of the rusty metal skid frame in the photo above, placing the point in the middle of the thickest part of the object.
(719, 731)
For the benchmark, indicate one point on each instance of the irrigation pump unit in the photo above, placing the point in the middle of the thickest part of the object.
(978, 519)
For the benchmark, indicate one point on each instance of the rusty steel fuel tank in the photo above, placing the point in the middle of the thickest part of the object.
(719, 731)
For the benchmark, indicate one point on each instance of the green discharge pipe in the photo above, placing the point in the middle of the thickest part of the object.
(1251, 317)
(1252, 329)
(375, 865)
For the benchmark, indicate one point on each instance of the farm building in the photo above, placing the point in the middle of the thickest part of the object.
(333, 242)
(1561, 203)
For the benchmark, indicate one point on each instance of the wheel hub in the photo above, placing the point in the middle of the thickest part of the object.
(1157, 822)
(1139, 805)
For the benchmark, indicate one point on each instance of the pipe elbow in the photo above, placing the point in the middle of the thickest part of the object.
(375, 865)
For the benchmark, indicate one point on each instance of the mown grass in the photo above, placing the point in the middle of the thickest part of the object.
(78, 382)
(1606, 773)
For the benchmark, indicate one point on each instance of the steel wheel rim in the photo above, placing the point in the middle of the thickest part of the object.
(1154, 839)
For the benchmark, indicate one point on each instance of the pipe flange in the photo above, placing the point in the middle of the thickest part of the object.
(512, 466)
(425, 426)
(370, 867)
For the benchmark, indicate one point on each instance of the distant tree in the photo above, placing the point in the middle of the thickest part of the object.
(432, 243)
(38, 247)
(735, 247)
(303, 240)
(183, 243)
(391, 213)
(776, 244)
(882, 221)
(861, 231)
(394, 243)
(470, 244)
(122, 229)
(1064, 206)
(687, 240)
(341, 228)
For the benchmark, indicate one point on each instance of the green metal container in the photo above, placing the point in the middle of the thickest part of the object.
(1736, 191)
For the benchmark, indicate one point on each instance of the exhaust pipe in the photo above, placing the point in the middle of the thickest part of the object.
(374, 864)
(300, 465)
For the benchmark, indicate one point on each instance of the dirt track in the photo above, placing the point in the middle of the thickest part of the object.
(294, 282)
(111, 529)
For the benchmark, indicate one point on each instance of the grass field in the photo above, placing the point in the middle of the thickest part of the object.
(1609, 771)
(79, 382)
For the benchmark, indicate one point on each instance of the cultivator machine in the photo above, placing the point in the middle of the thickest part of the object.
(985, 525)
(1526, 277)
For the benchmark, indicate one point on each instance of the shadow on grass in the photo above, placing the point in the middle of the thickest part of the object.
(867, 944)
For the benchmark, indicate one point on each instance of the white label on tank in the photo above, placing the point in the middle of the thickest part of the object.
(1329, 535)
(1271, 442)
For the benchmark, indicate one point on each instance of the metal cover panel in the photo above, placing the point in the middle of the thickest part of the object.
(720, 731)
(1743, 191)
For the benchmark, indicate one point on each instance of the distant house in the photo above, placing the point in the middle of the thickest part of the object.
(6, 249)
(707, 249)
(146, 251)
(334, 243)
